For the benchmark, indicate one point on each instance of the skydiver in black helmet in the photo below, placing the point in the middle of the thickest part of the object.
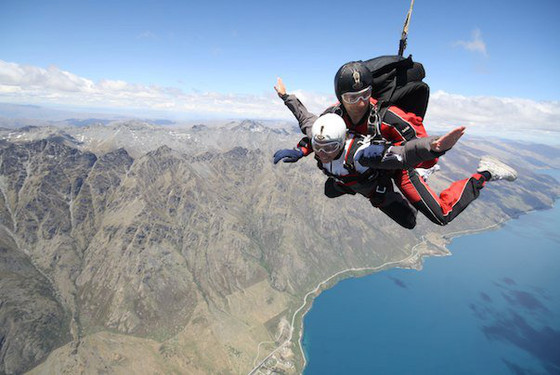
(360, 112)
(354, 165)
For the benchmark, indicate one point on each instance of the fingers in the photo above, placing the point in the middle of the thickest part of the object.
(460, 131)
(279, 84)
(457, 132)
(449, 140)
(280, 155)
(280, 88)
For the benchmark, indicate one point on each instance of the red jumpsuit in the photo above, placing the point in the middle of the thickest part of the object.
(399, 126)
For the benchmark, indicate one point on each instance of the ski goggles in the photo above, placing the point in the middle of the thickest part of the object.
(354, 97)
(326, 147)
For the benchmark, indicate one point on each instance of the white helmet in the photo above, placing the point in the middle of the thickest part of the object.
(328, 133)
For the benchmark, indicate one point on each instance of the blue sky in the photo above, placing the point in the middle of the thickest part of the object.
(180, 51)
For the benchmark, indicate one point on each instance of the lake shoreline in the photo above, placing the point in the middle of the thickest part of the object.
(432, 245)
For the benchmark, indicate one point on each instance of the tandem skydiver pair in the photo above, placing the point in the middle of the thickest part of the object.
(364, 144)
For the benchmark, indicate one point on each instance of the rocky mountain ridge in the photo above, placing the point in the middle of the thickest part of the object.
(187, 246)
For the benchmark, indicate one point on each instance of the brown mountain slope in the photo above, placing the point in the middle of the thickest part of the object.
(183, 261)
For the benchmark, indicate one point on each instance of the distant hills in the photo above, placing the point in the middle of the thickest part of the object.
(20, 115)
(128, 247)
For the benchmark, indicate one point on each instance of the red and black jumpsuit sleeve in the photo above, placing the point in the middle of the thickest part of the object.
(441, 209)
(399, 126)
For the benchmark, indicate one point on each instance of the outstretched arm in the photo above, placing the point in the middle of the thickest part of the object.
(385, 156)
(302, 115)
(305, 120)
(447, 141)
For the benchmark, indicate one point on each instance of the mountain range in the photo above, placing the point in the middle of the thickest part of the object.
(130, 247)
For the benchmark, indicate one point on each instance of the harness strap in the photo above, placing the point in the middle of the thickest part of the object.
(353, 177)
(349, 157)
(375, 119)
(383, 185)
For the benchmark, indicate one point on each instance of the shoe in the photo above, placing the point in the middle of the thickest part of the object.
(497, 169)
(427, 172)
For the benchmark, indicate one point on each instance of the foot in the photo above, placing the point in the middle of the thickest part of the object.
(497, 169)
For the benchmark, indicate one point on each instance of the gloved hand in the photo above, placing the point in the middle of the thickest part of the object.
(372, 154)
(288, 155)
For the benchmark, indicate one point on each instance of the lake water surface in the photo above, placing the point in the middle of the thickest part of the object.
(493, 307)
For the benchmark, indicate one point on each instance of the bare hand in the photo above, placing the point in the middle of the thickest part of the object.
(280, 88)
(445, 142)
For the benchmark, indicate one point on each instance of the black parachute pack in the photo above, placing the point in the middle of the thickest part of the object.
(398, 81)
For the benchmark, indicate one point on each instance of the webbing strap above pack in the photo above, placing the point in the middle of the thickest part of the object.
(384, 64)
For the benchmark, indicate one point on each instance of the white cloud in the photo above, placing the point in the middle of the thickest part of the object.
(474, 45)
(35, 85)
(482, 115)
(508, 117)
(147, 35)
(31, 77)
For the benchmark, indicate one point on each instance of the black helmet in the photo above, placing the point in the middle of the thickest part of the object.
(351, 77)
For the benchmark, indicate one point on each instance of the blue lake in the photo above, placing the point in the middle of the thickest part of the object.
(493, 307)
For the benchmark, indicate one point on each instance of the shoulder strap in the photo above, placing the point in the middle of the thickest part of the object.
(383, 108)
(375, 119)
(349, 157)
(336, 109)
(404, 128)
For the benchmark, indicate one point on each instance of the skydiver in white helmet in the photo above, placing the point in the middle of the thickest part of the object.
(356, 165)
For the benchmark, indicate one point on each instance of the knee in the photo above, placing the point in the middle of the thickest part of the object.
(401, 213)
(332, 190)
(333, 193)
(433, 214)
(410, 223)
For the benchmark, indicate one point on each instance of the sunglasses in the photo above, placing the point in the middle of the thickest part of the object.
(354, 97)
